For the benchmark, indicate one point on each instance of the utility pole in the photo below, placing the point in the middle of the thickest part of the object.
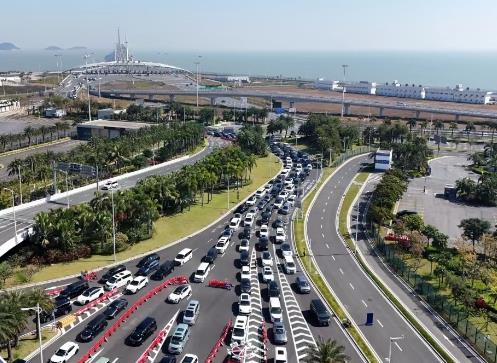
(20, 183)
(89, 101)
(197, 63)
(13, 211)
(113, 223)
(344, 66)
(38, 325)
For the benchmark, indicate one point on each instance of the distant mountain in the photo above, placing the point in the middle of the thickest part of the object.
(53, 47)
(78, 47)
(8, 46)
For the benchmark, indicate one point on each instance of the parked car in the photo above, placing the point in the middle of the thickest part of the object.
(244, 304)
(280, 355)
(275, 311)
(202, 271)
(222, 245)
(190, 358)
(239, 332)
(244, 258)
(263, 244)
(264, 232)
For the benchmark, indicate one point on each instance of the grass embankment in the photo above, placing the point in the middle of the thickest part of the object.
(28, 345)
(171, 228)
(303, 252)
(342, 224)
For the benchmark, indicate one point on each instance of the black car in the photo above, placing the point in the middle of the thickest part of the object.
(148, 259)
(165, 269)
(145, 329)
(273, 289)
(278, 223)
(265, 217)
(115, 308)
(111, 272)
(263, 244)
(245, 286)
(320, 312)
(168, 359)
(74, 289)
(244, 258)
(247, 233)
(62, 306)
(148, 268)
(228, 232)
(242, 208)
(211, 255)
(93, 328)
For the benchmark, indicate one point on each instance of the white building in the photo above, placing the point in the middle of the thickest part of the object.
(108, 113)
(458, 94)
(382, 160)
(362, 87)
(327, 85)
(9, 105)
(10, 80)
(395, 89)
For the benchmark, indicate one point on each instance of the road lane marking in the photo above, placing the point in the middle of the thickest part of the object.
(333, 257)
(321, 226)
(398, 346)
(366, 305)
(326, 203)
(448, 340)
(115, 360)
(341, 271)
(323, 210)
(379, 322)
(327, 245)
(329, 197)
(322, 234)
(351, 286)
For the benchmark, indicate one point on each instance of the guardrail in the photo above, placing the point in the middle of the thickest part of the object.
(172, 281)
(219, 343)
(97, 301)
(158, 340)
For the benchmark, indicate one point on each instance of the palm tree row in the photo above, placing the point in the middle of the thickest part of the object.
(32, 135)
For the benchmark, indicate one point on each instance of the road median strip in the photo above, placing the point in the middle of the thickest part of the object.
(34, 147)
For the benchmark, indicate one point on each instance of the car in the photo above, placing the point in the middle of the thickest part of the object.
(190, 358)
(244, 258)
(280, 235)
(239, 332)
(148, 259)
(308, 167)
(138, 283)
(279, 202)
(90, 294)
(245, 286)
(291, 200)
(168, 359)
(285, 209)
(183, 256)
(275, 311)
(244, 245)
(148, 268)
(280, 355)
(191, 312)
(247, 233)
(61, 306)
(165, 269)
(109, 185)
(265, 217)
(289, 265)
(102, 360)
(263, 243)
(260, 193)
(95, 326)
(211, 255)
(118, 280)
(303, 285)
(145, 329)
(286, 250)
(320, 312)
(115, 308)
(284, 194)
(273, 289)
(245, 273)
(111, 272)
(242, 208)
(228, 232)
(222, 244)
(249, 220)
(251, 201)
(180, 293)
(202, 271)
(65, 352)
(74, 289)
(278, 223)
(235, 223)
(264, 232)
(179, 338)
(267, 274)
(279, 333)
(244, 304)
(267, 259)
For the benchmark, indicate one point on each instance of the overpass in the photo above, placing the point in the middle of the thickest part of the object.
(381, 106)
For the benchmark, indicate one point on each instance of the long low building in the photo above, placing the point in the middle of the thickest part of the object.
(9, 105)
(107, 129)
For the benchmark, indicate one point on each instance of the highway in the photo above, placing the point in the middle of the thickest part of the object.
(217, 306)
(25, 217)
(356, 292)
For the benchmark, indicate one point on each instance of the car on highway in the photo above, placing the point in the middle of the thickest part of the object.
(148, 268)
(278, 223)
(280, 355)
(109, 185)
(244, 258)
(185, 255)
(279, 333)
(181, 292)
(61, 306)
(191, 312)
(275, 311)
(291, 200)
(138, 283)
(235, 223)
(267, 259)
(228, 232)
(244, 245)
(260, 193)
(279, 202)
(245, 273)
(202, 271)
(169, 359)
(249, 220)
(222, 244)
(165, 269)
(263, 244)
(90, 294)
(111, 272)
(145, 329)
(246, 233)
(284, 194)
(303, 285)
(95, 326)
(273, 289)
(239, 332)
(65, 352)
(148, 259)
(320, 312)
(190, 358)
(245, 286)
(115, 308)
(267, 274)
(265, 217)
(280, 236)
(289, 265)
(286, 250)
(118, 280)
(285, 209)
(74, 289)
(242, 208)
(264, 231)
(179, 339)
(244, 304)
(251, 201)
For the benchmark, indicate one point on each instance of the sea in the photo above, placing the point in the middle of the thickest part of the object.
(471, 69)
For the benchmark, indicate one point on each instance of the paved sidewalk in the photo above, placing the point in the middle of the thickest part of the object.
(428, 317)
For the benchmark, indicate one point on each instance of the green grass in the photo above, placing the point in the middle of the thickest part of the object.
(171, 228)
(29, 345)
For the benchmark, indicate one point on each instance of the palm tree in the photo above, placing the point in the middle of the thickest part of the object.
(29, 133)
(412, 123)
(326, 351)
(43, 132)
(439, 125)
(41, 298)
(453, 127)
(11, 303)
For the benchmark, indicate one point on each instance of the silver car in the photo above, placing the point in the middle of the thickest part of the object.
(279, 333)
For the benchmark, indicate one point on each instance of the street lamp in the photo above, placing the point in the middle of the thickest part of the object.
(197, 64)
(392, 339)
(20, 182)
(344, 66)
(113, 223)
(38, 312)
(67, 188)
(13, 211)
(89, 101)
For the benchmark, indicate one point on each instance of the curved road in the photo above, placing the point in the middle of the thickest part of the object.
(356, 292)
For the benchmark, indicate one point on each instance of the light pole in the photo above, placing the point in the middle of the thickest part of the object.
(13, 211)
(89, 101)
(392, 339)
(67, 188)
(344, 66)
(113, 223)
(197, 63)
(38, 325)
(20, 183)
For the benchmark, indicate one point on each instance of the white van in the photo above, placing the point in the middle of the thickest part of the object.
(289, 265)
(275, 309)
(118, 280)
(183, 256)
(202, 271)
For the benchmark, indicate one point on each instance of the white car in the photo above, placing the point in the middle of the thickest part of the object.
(185, 255)
(292, 199)
(279, 202)
(118, 280)
(181, 292)
(286, 250)
(64, 353)
(249, 220)
(260, 193)
(284, 194)
(245, 274)
(267, 259)
(251, 201)
(190, 358)
(267, 274)
(239, 333)
(235, 223)
(90, 294)
(110, 184)
(280, 235)
(280, 355)
(264, 232)
(138, 283)
(222, 244)
(244, 306)
(289, 189)
(244, 245)
(309, 167)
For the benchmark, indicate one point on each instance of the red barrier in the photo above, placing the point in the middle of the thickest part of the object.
(172, 281)
(90, 305)
(265, 339)
(53, 292)
(219, 343)
(224, 284)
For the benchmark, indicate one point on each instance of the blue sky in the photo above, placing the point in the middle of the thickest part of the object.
(233, 25)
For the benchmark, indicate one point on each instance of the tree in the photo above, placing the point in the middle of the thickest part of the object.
(206, 115)
(6, 271)
(39, 296)
(326, 351)
(465, 188)
(413, 222)
(15, 320)
(474, 229)
(452, 127)
(28, 133)
(412, 123)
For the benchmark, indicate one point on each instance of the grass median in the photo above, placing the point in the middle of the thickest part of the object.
(28, 345)
(172, 228)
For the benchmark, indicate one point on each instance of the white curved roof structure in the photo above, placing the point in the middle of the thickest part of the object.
(136, 67)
